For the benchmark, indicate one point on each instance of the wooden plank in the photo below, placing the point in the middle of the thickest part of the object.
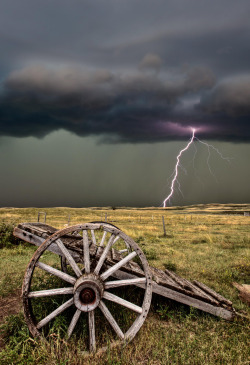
(197, 292)
(210, 291)
(37, 241)
(196, 303)
(176, 278)
(135, 269)
(116, 256)
(182, 298)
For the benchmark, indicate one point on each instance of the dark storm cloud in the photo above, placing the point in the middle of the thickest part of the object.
(129, 71)
(123, 107)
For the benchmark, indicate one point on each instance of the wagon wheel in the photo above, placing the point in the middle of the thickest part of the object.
(64, 262)
(89, 283)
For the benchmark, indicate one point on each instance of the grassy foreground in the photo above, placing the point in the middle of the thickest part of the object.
(205, 243)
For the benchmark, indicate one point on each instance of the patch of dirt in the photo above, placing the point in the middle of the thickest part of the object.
(9, 305)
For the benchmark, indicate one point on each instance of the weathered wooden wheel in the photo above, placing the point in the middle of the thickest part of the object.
(101, 252)
(64, 262)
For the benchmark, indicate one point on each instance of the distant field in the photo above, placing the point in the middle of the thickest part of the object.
(209, 243)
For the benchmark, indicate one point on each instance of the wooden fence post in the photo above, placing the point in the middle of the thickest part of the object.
(69, 220)
(106, 218)
(164, 228)
(38, 216)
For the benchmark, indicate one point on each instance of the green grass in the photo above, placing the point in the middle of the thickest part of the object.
(212, 248)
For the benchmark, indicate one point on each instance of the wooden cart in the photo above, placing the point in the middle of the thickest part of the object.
(95, 258)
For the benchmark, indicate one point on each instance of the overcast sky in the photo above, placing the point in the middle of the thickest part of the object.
(98, 97)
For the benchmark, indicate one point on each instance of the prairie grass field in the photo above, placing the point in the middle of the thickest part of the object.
(208, 243)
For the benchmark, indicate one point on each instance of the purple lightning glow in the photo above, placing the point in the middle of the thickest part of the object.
(175, 173)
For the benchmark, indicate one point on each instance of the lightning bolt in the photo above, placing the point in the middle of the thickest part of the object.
(178, 165)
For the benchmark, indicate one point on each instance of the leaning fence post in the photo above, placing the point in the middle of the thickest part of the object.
(45, 217)
(38, 216)
(164, 228)
(69, 220)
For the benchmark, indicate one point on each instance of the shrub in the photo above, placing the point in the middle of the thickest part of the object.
(6, 235)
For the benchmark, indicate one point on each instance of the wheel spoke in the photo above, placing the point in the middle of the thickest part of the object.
(73, 322)
(102, 242)
(55, 313)
(111, 320)
(92, 343)
(117, 283)
(50, 292)
(111, 241)
(86, 252)
(119, 264)
(93, 236)
(125, 303)
(60, 274)
(69, 258)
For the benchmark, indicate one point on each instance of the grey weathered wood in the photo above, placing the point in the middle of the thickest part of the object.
(210, 291)
(92, 342)
(111, 320)
(101, 243)
(116, 255)
(122, 251)
(117, 266)
(69, 258)
(55, 313)
(182, 285)
(181, 298)
(118, 283)
(50, 292)
(193, 302)
(104, 254)
(58, 273)
(200, 293)
(73, 322)
(176, 278)
(70, 240)
(181, 290)
(86, 251)
(37, 241)
(93, 236)
(121, 301)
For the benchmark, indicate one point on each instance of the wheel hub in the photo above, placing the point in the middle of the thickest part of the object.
(87, 296)
(88, 291)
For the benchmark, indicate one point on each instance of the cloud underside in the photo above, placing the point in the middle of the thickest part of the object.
(133, 107)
